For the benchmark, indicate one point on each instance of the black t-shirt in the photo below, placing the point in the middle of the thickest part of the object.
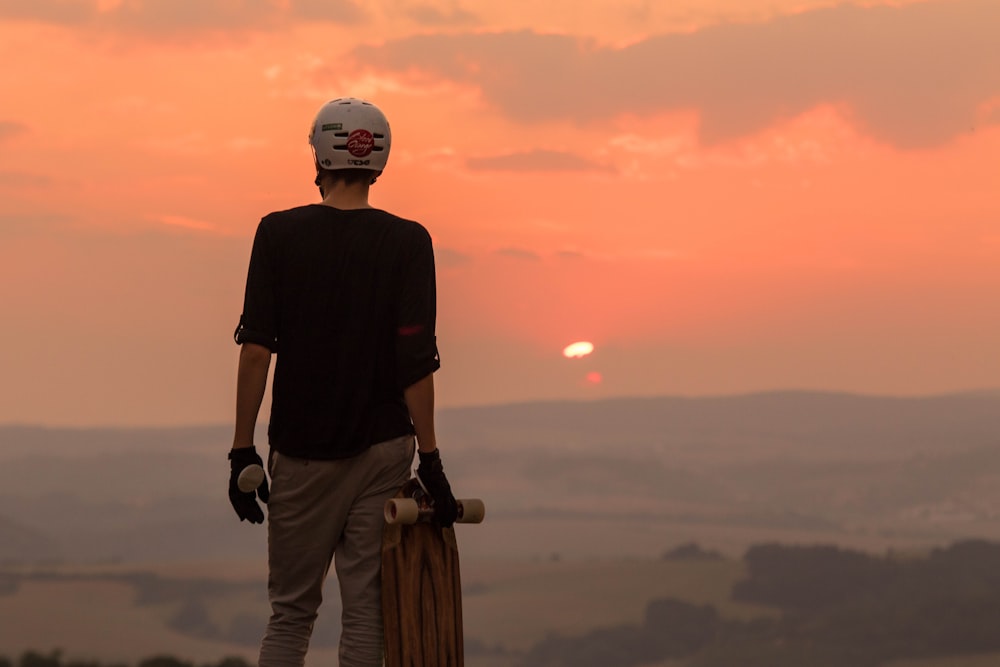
(347, 301)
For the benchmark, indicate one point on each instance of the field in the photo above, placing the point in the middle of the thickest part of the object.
(509, 605)
(986, 660)
(516, 605)
(93, 620)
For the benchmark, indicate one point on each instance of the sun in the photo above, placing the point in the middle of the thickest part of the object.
(578, 350)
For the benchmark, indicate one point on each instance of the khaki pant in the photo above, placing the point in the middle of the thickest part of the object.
(321, 511)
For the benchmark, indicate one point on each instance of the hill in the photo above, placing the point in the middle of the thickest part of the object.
(606, 478)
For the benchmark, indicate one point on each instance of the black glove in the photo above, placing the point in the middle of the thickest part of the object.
(431, 474)
(245, 504)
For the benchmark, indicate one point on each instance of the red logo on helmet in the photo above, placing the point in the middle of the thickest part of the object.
(360, 143)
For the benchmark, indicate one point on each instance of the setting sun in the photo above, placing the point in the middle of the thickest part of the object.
(578, 350)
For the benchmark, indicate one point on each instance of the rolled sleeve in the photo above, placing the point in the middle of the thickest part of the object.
(416, 343)
(258, 323)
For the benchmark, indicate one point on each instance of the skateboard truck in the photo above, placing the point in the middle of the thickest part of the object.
(419, 507)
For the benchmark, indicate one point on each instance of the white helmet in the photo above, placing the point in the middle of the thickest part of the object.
(349, 133)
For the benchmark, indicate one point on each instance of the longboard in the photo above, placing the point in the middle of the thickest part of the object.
(421, 583)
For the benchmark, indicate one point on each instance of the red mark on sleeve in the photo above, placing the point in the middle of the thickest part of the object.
(411, 330)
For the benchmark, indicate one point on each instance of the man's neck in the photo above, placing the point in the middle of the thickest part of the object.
(346, 197)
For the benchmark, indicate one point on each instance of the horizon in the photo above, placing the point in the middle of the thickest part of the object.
(986, 392)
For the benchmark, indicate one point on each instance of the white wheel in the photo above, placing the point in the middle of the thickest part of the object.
(473, 510)
(401, 510)
(250, 478)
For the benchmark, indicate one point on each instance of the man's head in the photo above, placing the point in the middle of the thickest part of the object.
(350, 140)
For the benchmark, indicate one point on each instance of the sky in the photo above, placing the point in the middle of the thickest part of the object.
(722, 196)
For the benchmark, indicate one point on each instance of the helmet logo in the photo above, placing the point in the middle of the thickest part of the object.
(360, 143)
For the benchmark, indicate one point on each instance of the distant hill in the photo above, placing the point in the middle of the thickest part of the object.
(20, 543)
(744, 426)
(25, 440)
(564, 476)
(750, 424)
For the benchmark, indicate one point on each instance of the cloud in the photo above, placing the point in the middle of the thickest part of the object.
(184, 222)
(992, 116)
(9, 128)
(912, 75)
(64, 12)
(23, 179)
(336, 11)
(448, 258)
(17, 226)
(538, 160)
(180, 16)
(518, 253)
(429, 15)
(171, 16)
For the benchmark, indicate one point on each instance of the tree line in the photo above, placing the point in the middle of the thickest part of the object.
(838, 607)
(56, 659)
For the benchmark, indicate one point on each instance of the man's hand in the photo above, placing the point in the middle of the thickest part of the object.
(431, 474)
(245, 504)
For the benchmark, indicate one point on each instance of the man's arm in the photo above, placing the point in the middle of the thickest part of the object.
(251, 382)
(420, 402)
(419, 398)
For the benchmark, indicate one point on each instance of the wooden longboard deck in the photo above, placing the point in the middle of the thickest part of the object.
(421, 594)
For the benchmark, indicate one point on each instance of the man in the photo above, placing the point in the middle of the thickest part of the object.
(344, 295)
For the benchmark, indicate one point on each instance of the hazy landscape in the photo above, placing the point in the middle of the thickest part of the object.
(118, 544)
(661, 205)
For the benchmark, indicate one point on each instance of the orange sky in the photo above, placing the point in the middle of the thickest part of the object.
(723, 195)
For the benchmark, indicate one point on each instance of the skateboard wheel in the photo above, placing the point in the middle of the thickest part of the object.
(250, 478)
(402, 510)
(473, 510)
